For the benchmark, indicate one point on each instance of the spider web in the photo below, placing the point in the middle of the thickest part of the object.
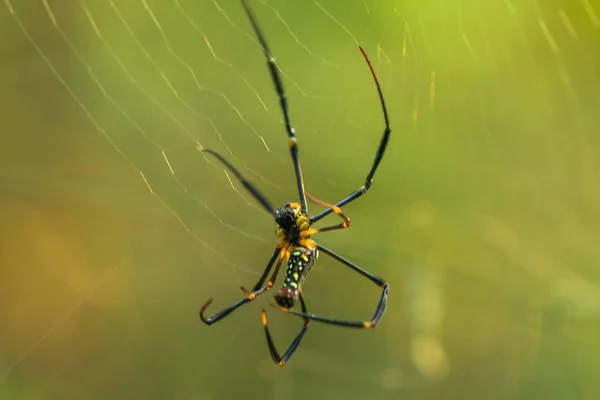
(123, 227)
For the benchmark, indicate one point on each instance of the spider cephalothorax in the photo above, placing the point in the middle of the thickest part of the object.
(296, 247)
(290, 222)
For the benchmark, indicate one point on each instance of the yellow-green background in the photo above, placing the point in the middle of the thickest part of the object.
(483, 217)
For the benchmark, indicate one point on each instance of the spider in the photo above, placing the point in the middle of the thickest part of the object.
(294, 227)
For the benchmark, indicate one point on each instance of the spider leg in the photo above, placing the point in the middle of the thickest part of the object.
(379, 311)
(261, 198)
(259, 288)
(282, 360)
(335, 209)
(378, 156)
(276, 78)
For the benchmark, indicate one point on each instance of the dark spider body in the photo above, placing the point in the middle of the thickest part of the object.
(286, 218)
(300, 263)
(294, 228)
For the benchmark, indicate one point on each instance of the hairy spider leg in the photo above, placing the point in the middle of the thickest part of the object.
(379, 311)
(336, 209)
(281, 360)
(279, 255)
(299, 240)
(276, 78)
(257, 194)
(378, 156)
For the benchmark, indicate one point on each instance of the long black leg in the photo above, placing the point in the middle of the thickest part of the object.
(261, 198)
(276, 77)
(379, 311)
(281, 360)
(258, 289)
(378, 156)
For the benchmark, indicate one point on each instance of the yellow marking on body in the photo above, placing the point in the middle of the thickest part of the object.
(296, 276)
(280, 233)
(304, 226)
(304, 257)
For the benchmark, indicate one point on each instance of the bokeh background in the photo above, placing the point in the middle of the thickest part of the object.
(484, 215)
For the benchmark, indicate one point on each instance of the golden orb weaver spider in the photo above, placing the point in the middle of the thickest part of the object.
(294, 228)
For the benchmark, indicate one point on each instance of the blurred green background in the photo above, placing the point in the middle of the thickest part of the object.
(484, 214)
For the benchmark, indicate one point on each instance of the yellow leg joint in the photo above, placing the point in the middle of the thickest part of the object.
(304, 226)
(308, 243)
(283, 250)
(307, 233)
(301, 220)
(264, 318)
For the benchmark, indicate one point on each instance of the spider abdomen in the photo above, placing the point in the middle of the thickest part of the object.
(301, 261)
